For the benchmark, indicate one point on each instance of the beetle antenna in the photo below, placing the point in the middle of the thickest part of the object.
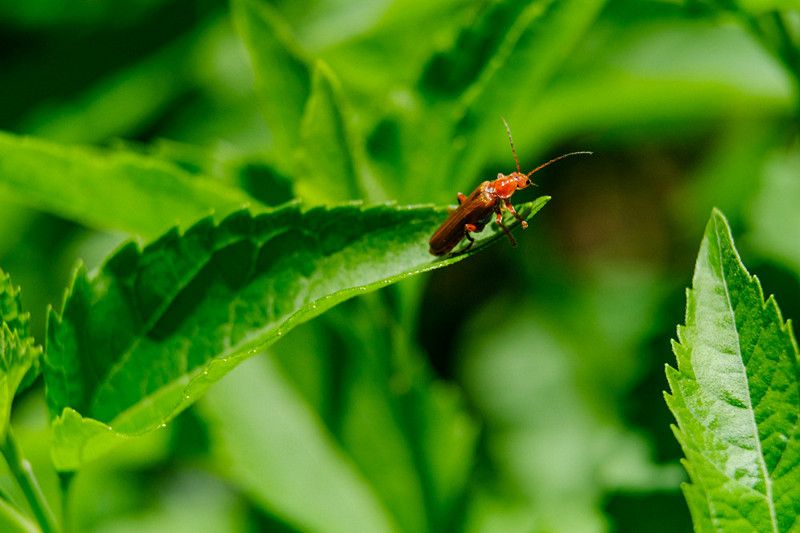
(511, 141)
(559, 158)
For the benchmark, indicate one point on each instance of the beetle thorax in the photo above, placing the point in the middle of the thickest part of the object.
(505, 185)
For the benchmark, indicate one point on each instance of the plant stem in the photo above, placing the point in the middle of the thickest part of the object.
(21, 470)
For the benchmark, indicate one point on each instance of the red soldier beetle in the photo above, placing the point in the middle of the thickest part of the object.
(473, 211)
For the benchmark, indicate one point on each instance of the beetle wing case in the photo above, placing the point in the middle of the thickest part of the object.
(474, 210)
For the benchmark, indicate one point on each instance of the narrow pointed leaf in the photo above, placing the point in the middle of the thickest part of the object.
(326, 171)
(119, 190)
(19, 356)
(282, 74)
(144, 337)
(736, 397)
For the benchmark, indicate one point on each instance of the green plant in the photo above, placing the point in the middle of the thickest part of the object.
(736, 396)
(517, 391)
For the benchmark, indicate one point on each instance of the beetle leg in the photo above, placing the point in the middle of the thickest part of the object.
(467, 229)
(507, 204)
(499, 219)
(461, 198)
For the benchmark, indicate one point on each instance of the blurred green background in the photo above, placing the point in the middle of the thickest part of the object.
(517, 391)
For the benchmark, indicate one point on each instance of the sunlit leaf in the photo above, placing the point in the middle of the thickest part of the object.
(13, 522)
(120, 190)
(277, 451)
(142, 339)
(764, 6)
(736, 397)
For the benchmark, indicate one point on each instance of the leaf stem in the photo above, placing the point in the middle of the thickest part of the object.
(21, 470)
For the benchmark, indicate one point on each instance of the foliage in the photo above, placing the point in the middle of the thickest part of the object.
(147, 335)
(736, 395)
(280, 163)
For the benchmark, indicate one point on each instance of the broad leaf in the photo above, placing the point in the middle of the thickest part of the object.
(140, 340)
(282, 457)
(386, 440)
(120, 190)
(282, 74)
(19, 356)
(736, 397)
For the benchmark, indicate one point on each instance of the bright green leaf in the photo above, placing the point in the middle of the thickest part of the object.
(736, 397)
(144, 337)
(695, 85)
(120, 190)
(758, 7)
(326, 172)
(12, 521)
(282, 74)
(277, 451)
(775, 211)
(19, 356)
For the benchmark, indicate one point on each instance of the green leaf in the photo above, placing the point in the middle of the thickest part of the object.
(693, 86)
(19, 356)
(101, 189)
(367, 403)
(758, 7)
(326, 172)
(11, 520)
(409, 435)
(736, 397)
(774, 211)
(282, 74)
(535, 45)
(284, 458)
(144, 337)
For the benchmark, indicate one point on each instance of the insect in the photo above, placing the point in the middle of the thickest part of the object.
(474, 211)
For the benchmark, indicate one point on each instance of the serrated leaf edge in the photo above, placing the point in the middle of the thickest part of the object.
(198, 380)
(680, 349)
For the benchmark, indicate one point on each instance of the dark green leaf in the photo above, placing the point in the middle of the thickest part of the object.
(141, 339)
(736, 397)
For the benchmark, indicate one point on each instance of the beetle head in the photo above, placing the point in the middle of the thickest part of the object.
(521, 180)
